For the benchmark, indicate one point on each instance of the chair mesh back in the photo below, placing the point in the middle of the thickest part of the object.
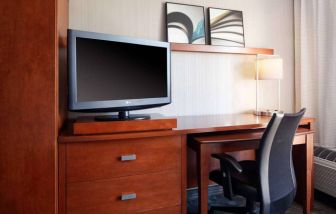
(277, 176)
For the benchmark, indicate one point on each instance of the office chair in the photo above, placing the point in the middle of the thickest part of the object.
(270, 179)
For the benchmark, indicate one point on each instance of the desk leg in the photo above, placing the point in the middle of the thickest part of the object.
(303, 162)
(203, 161)
(308, 200)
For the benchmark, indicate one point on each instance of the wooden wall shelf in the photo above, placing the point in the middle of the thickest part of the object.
(219, 49)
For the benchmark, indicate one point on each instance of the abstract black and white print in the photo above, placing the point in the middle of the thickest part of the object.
(185, 23)
(226, 27)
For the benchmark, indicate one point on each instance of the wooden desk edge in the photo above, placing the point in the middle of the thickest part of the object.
(67, 137)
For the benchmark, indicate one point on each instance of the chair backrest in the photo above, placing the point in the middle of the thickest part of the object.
(276, 172)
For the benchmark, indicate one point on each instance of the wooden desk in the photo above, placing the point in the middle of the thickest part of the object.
(100, 153)
(243, 132)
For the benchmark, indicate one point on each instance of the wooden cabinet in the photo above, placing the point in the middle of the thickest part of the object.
(137, 175)
(33, 68)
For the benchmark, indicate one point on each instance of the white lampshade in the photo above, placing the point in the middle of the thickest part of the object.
(270, 69)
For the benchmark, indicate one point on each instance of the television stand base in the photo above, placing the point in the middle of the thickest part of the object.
(122, 116)
(90, 125)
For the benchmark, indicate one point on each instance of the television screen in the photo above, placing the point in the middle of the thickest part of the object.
(110, 73)
(117, 71)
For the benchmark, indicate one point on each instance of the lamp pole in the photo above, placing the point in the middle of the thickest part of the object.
(279, 94)
(257, 86)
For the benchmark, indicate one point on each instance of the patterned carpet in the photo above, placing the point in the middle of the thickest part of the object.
(323, 204)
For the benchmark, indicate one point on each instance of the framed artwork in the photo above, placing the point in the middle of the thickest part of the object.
(226, 27)
(185, 23)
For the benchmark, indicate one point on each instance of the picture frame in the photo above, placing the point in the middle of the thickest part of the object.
(226, 27)
(185, 23)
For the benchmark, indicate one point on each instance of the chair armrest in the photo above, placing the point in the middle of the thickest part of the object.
(228, 161)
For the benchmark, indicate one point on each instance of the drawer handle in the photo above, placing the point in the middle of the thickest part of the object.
(128, 196)
(128, 157)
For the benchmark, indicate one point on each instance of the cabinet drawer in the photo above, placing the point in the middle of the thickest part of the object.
(145, 193)
(108, 159)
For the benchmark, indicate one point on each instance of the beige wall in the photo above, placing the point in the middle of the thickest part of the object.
(203, 83)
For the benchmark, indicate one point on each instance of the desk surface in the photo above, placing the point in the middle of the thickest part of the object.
(225, 122)
(191, 125)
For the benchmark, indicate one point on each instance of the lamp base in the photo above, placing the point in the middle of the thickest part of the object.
(266, 112)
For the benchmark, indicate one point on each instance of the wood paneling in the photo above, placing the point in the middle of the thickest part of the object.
(184, 174)
(66, 137)
(227, 122)
(153, 191)
(29, 105)
(61, 76)
(190, 125)
(168, 210)
(102, 160)
(61, 178)
(219, 49)
(62, 30)
(87, 126)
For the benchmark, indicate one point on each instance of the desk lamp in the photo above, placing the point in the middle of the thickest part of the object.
(268, 67)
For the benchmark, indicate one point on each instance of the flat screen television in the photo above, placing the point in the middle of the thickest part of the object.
(109, 73)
